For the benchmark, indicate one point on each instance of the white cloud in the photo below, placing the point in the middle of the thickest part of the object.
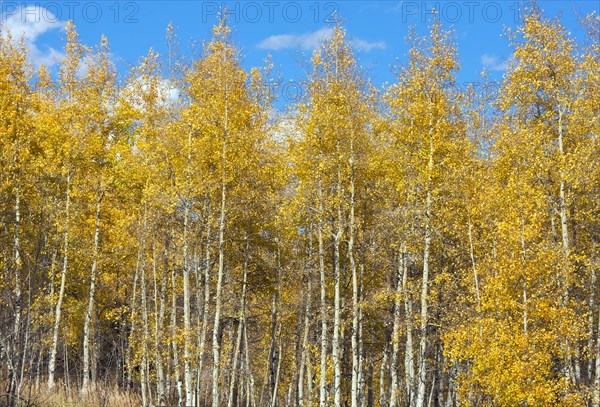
(311, 40)
(29, 23)
(48, 57)
(494, 62)
(366, 46)
(306, 41)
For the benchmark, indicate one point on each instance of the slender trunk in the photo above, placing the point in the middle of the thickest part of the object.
(382, 369)
(591, 320)
(523, 266)
(215, 339)
(323, 371)
(174, 346)
(425, 283)
(309, 380)
(473, 264)
(361, 350)
(159, 318)
(305, 350)
(14, 355)
(276, 342)
(597, 379)
(234, 364)
(238, 342)
(563, 209)
(67, 374)
(144, 304)
(132, 320)
(596, 393)
(355, 307)
(87, 325)
(430, 398)
(162, 381)
(187, 368)
(563, 202)
(409, 364)
(274, 400)
(525, 317)
(273, 356)
(335, 351)
(396, 334)
(288, 398)
(451, 393)
(61, 290)
(38, 369)
(362, 377)
(206, 298)
(370, 376)
(25, 345)
(198, 277)
(186, 312)
(249, 374)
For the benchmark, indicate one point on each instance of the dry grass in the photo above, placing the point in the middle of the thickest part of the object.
(97, 396)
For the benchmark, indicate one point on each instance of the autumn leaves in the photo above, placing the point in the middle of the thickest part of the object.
(418, 245)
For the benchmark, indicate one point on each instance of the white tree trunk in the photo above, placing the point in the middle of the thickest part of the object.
(335, 350)
(216, 349)
(15, 342)
(234, 363)
(275, 355)
(144, 303)
(382, 369)
(323, 371)
(596, 354)
(591, 318)
(132, 320)
(396, 334)
(175, 348)
(309, 380)
(274, 400)
(61, 290)
(159, 319)
(597, 379)
(206, 298)
(187, 368)
(473, 264)
(409, 364)
(304, 354)
(563, 209)
(425, 286)
(355, 308)
(248, 367)
(563, 200)
(87, 324)
(361, 376)
(238, 342)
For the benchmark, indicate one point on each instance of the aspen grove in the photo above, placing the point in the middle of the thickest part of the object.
(171, 238)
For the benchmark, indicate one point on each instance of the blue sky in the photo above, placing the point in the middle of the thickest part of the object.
(288, 30)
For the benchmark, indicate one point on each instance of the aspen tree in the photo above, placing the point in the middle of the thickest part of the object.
(337, 94)
(16, 142)
(585, 180)
(100, 79)
(222, 114)
(66, 156)
(540, 87)
(423, 110)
